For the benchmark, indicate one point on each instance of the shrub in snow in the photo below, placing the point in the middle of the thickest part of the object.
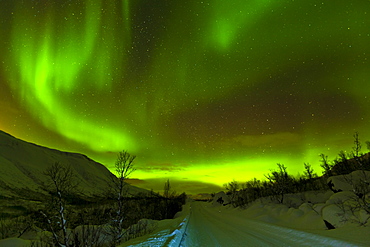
(345, 207)
(6, 228)
(280, 183)
(142, 227)
(362, 217)
(352, 181)
(89, 235)
(317, 196)
(335, 214)
(15, 227)
(357, 184)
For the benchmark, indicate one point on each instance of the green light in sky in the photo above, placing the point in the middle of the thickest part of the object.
(191, 86)
(58, 55)
(126, 14)
(233, 18)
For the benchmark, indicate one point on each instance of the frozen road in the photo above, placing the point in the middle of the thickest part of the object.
(211, 226)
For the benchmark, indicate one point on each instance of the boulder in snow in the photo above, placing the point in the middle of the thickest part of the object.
(220, 199)
(349, 182)
(335, 215)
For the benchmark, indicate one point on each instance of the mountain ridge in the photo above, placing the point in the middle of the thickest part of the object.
(23, 163)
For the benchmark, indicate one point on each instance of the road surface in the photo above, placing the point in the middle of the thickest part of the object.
(210, 226)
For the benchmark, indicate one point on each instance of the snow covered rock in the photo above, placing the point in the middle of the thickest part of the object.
(317, 196)
(294, 213)
(335, 215)
(341, 209)
(278, 209)
(340, 197)
(349, 182)
(306, 207)
(318, 207)
(363, 217)
(220, 199)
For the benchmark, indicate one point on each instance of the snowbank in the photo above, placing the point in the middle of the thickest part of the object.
(168, 232)
(349, 182)
(14, 242)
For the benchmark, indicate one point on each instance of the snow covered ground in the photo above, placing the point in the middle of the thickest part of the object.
(204, 224)
(168, 232)
(225, 226)
(265, 223)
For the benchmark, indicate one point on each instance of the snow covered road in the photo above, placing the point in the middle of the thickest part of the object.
(217, 226)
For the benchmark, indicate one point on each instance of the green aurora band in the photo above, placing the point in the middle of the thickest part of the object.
(55, 54)
(208, 90)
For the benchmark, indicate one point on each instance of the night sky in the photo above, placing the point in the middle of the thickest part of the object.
(202, 92)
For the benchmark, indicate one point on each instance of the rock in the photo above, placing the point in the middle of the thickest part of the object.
(337, 215)
(328, 225)
(220, 199)
(350, 181)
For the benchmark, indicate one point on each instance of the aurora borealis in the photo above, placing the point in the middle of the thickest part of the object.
(205, 91)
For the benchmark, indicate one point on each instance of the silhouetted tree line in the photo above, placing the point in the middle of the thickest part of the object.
(279, 182)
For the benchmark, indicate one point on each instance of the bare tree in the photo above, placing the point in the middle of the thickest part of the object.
(254, 186)
(123, 167)
(167, 193)
(61, 183)
(325, 165)
(232, 188)
(357, 145)
(280, 182)
(368, 145)
(309, 171)
(357, 151)
(361, 188)
(342, 164)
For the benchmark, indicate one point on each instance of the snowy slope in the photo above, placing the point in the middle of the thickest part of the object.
(22, 165)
